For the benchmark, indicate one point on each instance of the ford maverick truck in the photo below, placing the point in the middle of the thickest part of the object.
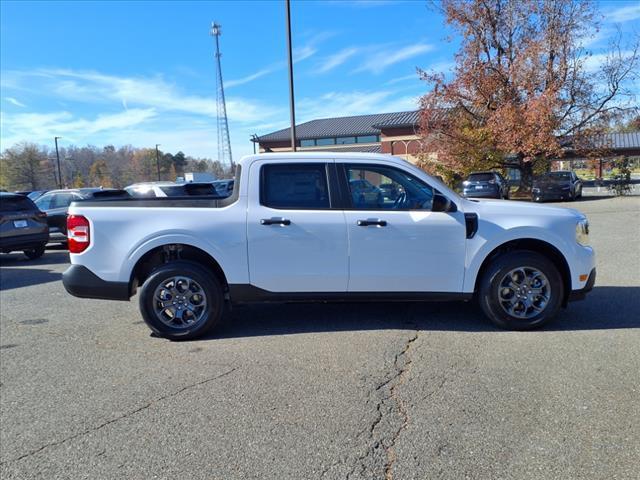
(327, 227)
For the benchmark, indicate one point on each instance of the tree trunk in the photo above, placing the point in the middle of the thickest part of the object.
(526, 176)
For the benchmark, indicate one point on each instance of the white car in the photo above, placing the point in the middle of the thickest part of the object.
(292, 232)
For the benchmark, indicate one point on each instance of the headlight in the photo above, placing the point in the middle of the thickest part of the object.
(582, 232)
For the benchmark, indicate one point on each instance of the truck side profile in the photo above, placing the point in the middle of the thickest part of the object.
(298, 228)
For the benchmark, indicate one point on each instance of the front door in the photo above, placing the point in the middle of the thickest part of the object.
(396, 243)
(297, 241)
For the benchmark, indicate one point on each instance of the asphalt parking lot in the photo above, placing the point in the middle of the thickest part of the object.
(362, 391)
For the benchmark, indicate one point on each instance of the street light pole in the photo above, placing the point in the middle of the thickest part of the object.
(158, 160)
(58, 158)
(291, 96)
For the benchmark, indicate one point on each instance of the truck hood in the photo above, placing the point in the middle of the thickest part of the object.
(524, 209)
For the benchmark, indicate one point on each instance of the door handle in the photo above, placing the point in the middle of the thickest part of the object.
(372, 221)
(275, 221)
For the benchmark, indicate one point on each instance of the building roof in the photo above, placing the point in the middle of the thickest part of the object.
(619, 141)
(366, 148)
(334, 127)
(402, 119)
(612, 141)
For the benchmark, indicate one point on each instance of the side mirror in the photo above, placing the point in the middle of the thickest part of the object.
(443, 204)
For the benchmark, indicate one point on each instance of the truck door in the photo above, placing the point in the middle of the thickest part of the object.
(397, 243)
(297, 241)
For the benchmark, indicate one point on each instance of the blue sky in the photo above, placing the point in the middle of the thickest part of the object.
(143, 73)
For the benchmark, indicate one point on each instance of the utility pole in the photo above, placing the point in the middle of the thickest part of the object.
(292, 107)
(58, 158)
(158, 160)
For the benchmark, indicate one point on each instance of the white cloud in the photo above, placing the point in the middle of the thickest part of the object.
(248, 78)
(380, 61)
(340, 104)
(594, 62)
(127, 110)
(15, 101)
(624, 14)
(337, 59)
(92, 87)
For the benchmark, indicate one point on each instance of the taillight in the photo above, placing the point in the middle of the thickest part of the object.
(77, 233)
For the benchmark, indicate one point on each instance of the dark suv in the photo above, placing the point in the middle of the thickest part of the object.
(22, 226)
(485, 185)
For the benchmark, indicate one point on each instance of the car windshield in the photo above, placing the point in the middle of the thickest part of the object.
(559, 175)
(481, 177)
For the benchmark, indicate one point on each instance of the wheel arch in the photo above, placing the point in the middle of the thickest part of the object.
(167, 253)
(534, 245)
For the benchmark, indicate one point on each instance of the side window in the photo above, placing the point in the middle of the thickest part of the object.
(62, 200)
(294, 186)
(374, 187)
(44, 202)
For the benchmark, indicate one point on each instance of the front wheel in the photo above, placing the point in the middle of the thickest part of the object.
(181, 300)
(521, 290)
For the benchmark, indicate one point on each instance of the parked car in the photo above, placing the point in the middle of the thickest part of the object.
(224, 187)
(169, 189)
(559, 185)
(485, 185)
(292, 231)
(22, 226)
(55, 203)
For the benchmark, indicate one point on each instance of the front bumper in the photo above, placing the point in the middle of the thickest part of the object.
(582, 293)
(542, 195)
(81, 282)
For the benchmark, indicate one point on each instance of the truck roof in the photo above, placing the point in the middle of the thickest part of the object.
(352, 156)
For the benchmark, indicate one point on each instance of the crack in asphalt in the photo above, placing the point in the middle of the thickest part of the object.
(389, 403)
(121, 417)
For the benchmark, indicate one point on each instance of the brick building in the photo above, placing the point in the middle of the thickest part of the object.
(394, 133)
(397, 133)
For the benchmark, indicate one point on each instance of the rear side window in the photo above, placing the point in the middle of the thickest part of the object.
(16, 204)
(294, 186)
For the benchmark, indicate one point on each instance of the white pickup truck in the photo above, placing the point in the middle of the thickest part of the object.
(327, 227)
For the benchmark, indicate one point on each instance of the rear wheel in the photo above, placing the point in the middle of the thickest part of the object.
(521, 290)
(181, 300)
(34, 253)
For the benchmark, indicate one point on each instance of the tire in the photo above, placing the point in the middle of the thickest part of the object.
(492, 290)
(182, 281)
(579, 193)
(34, 253)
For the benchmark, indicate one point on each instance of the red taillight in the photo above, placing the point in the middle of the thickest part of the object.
(77, 233)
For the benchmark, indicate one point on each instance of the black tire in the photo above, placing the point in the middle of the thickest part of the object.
(579, 193)
(211, 289)
(34, 253)
(489, 289)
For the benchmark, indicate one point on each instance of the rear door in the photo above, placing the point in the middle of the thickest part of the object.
(297, 239)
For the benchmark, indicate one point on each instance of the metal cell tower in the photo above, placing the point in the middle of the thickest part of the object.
(224, 142)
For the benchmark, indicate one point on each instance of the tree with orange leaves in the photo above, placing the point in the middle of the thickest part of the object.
(523, 85)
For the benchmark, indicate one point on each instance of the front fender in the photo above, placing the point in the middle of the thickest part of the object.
(480, 247)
